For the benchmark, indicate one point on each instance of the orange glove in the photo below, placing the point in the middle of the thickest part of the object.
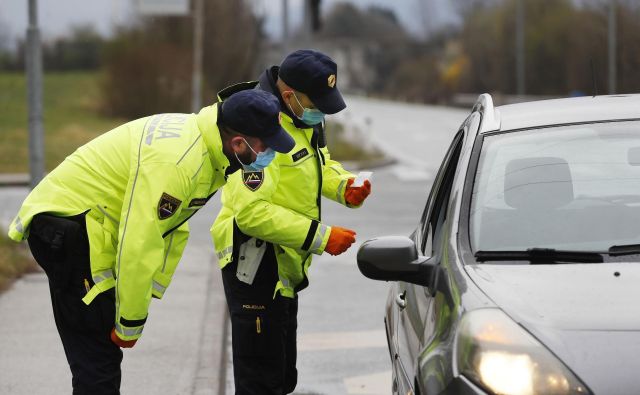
(356, 195)
(121, 343)
(340, 240)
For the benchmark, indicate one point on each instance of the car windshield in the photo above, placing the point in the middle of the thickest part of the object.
(567, 188)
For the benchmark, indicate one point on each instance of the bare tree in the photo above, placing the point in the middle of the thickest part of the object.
(155, 59)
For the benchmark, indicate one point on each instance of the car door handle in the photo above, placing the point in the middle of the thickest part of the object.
(400, 300)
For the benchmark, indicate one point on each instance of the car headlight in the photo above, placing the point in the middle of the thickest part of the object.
(503, 358)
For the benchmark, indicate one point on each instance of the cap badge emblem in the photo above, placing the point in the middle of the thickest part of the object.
(331, 81)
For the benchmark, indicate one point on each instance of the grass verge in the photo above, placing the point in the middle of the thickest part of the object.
(15, 261)
(71, 103)
(71, 118)
(351, 146)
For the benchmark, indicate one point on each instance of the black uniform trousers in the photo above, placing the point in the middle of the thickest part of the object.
(263, 334)
(61, 248)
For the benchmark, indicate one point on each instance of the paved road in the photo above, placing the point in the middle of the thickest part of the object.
(180, 351)
(416, 135)
(342, 346)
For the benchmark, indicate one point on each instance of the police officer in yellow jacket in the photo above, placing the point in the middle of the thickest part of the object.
(108, 225)
(270, 225)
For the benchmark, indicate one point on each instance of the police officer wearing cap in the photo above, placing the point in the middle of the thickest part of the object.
(270, 224)
(108, 225)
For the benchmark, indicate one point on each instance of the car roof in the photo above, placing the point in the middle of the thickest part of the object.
(564, 111)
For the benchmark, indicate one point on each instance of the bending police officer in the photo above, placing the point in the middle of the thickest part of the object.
(108, 225)
(270, 224)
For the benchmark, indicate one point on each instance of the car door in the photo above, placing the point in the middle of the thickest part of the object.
(413, 301)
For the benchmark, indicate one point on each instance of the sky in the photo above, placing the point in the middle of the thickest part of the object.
(55, 17)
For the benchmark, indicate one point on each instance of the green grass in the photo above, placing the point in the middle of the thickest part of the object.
(343, 149)
(71, 118)
(14, 261)
(71, 104)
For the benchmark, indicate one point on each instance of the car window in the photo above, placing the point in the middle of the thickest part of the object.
(434, 214)
(570, 187)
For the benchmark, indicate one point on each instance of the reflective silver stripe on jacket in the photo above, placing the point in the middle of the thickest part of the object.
(159, 287)
(224, 252)
(19, 226)
(166, 255)
(126, 220)
(128, 331)
(189, 149)
(198, 171)
(102, 276)
(340, 193)
(106, 214)
(317, 241)
(285, 282)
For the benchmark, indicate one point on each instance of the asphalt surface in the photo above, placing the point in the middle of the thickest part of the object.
(341, 341)
(185, 347)
(179, 352)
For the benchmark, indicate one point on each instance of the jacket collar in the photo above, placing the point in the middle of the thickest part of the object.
(207, 120)
(267, 82)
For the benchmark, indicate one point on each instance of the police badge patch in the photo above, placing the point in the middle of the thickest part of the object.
(252, 179)
(167, 206)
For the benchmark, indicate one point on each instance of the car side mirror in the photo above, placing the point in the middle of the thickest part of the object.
(395, 258)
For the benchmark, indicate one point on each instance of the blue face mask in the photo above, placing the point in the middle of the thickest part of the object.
(262, 159)
(310, 116)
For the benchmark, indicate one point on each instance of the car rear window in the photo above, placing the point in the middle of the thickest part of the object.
(569, 187)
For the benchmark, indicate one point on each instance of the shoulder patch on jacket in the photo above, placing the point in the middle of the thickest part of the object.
(252, 179)
(167, 206)
(300, 154)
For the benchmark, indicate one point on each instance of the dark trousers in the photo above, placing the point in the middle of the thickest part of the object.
(263, 331)
(61, 248)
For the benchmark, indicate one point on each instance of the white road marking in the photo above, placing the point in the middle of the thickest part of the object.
(371, 384)
(341, 340)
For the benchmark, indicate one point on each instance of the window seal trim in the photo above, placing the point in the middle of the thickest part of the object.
(464, 232)
(498, 132)
(441, 175)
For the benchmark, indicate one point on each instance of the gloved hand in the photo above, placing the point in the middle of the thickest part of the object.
(340, 239)
(356, 195)
(121, 343)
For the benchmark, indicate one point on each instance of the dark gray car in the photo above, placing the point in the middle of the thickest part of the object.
(523, 276)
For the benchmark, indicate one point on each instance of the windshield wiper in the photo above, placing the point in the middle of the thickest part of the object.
(540, 256)
(625, 249)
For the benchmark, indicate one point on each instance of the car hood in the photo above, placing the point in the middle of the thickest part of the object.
(586, 314)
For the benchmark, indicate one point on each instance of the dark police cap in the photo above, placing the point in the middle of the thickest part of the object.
(256, 113)
(314, 74)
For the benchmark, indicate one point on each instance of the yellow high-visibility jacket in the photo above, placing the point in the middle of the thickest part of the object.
(281, 204)
(138, 185)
